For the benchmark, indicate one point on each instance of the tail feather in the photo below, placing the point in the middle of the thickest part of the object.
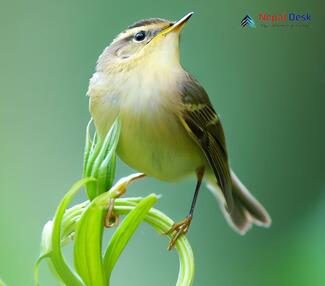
(246, 210)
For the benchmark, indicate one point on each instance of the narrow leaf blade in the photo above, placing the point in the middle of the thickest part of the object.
(88, 246)
(125, 231)
(59, 263)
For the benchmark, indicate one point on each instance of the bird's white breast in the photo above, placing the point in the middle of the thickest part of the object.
(152, 138)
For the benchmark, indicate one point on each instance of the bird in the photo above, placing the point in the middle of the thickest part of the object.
(169, 128)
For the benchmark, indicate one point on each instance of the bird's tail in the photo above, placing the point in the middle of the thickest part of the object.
(246, 209)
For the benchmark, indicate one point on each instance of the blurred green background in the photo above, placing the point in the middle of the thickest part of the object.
(267, 85)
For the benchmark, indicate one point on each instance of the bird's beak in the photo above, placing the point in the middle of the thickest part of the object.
(177, 27)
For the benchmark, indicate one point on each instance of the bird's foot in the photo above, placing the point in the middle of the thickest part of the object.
(111, 219)
(179, 229)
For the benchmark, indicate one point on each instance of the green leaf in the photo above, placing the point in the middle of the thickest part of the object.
(88, 146)
(99, 160)
(88, 245)
(125, 231)
(88, 236)
(69, 221)
(163, 223)
(66, 274)
(68, 226)
(103, 164)
(45, 252)
(50, 264)
(111, 166)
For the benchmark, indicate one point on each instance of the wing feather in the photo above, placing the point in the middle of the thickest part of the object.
(204, 126)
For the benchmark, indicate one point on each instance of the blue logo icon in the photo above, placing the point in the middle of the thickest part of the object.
(247, 21)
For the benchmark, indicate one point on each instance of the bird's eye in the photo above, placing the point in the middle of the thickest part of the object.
(140, 36)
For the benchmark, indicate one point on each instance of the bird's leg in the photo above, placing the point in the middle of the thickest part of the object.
(183, 226)
(111, 218)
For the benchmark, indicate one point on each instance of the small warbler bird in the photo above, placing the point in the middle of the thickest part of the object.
(169, 128)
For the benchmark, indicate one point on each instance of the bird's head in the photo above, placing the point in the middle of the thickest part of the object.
(146, 41)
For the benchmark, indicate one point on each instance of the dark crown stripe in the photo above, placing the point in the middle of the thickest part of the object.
(146, 22)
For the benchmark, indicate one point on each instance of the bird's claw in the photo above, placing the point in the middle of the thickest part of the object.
(111, 219)
(179, 229)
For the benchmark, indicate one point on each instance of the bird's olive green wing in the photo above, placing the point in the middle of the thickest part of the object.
(204, 126)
